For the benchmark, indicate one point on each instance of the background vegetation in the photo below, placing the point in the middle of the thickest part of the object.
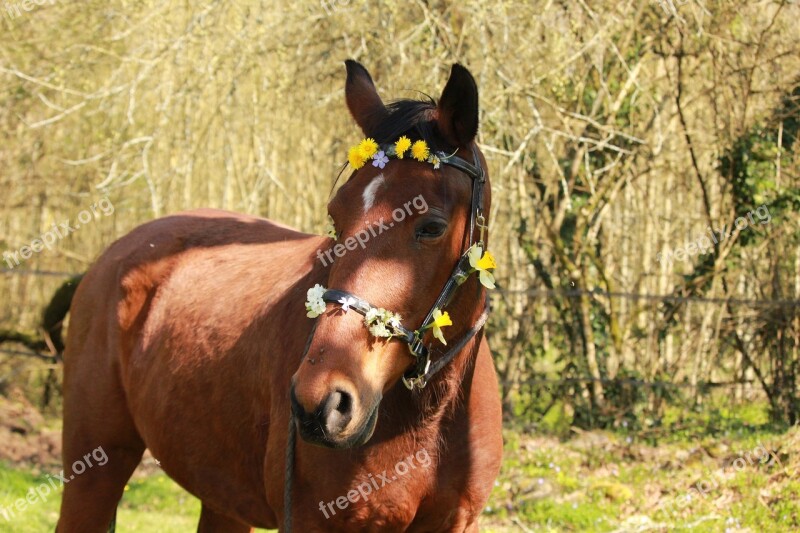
(616, 133)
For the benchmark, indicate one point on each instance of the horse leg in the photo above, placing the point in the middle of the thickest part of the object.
(90, 498)
(213, 522)
(465, 522)
(101, 445)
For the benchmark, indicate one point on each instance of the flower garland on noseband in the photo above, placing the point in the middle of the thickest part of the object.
(380, 322)
(383, 323)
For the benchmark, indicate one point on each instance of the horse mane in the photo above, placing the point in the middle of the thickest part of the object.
(413, 118)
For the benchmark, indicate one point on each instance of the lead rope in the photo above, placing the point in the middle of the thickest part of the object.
(289, 473)
(290, 443)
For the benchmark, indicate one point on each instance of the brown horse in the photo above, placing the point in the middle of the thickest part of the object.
(189, 337)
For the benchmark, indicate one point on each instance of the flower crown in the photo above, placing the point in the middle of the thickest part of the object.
(368, 149)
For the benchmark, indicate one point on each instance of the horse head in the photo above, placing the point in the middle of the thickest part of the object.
(409, 226)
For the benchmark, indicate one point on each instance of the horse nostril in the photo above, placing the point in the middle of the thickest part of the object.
(337, 411)
(345, 403)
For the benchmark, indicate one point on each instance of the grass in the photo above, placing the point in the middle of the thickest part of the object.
(591, 481)
(15, 484)
(715, 470)
(152, 503)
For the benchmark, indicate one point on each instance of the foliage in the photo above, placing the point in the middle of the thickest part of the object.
(615, 133)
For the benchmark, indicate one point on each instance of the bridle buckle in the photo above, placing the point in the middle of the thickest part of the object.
(419, 381)
(416, 347)
(480, 221)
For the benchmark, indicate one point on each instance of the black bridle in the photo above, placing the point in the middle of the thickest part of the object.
(423, 369)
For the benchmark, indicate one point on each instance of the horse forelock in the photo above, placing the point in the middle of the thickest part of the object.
(415, 119)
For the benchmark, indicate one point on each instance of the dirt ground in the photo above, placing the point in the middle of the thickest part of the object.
(28, 440)
(25, 438)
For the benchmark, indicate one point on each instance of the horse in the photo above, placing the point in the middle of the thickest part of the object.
(202, 336)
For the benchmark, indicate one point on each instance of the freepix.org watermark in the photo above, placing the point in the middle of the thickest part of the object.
(373, 230)
(332, 5)
(15, 9)
(702, 488)
(57, 232)
(54, 482)
(374, 484)
(703, 244)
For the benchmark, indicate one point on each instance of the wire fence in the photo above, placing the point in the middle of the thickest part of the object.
(545, 293)
(525, 382)
(31, 353)
(568, 293)
(43, 273)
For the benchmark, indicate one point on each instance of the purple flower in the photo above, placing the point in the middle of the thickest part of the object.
(380, 159)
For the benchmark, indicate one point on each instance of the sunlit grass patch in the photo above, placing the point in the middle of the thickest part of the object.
(150, 503)
(601, 480)
(38, 514)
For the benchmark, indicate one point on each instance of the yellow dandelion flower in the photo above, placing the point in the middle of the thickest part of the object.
(368, 148)
(356, 158)
(401, 146)
(419, 151)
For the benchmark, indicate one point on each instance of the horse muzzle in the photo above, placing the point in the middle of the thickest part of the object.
(334, 422)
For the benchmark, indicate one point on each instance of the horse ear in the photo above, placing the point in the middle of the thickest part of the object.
(362, 98)
(458, 108)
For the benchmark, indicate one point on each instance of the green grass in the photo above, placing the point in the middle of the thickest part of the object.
(591, 481)
(628, 480)
(152, 503)
(156, 503)
(40, 516)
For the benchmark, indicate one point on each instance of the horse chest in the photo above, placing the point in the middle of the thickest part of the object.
(395, 500)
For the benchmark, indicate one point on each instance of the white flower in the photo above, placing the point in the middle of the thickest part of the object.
(371, 315)
(379, 329)
(395, 321)
(315, 305)
(346, 302)
(436, 162)
(379, 160)
(377, 320)
(316, 292)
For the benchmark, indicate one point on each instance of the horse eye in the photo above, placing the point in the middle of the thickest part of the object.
(430, 229)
